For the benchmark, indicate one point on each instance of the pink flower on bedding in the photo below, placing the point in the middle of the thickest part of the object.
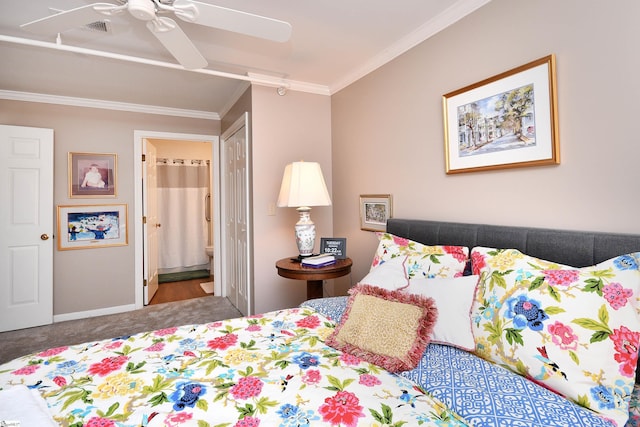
(342, 409)
(113, 345)
(616, 295)
(177, 418)
(107, 365)
(349, 359)
(253, 328)
(60, 381)
(457, 252)
(247, 422)
(309, 322)
(369, 380)
(223, 342)
(312, 376)
(165, 331)
(52, 351)
(159, 346)
(626, 343)
(100, 422)
(477, 262)
(376, 261)
(561, 277)
(27, 370)
(246, 387)
(563, 336)
(400, 241)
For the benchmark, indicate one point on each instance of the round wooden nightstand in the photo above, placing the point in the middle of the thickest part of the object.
(291, 268)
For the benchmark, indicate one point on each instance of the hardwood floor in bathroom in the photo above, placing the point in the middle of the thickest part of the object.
(178, 291)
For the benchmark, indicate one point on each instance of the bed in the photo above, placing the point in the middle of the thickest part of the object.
(506, 345)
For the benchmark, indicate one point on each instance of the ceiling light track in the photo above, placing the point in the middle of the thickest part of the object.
(59, 46)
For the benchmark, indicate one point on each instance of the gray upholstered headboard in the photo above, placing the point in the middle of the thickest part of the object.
(574, 248)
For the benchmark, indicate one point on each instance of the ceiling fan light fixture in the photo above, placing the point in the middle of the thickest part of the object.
(144, 10)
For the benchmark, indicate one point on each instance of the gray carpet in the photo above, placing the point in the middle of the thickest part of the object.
(198, 310)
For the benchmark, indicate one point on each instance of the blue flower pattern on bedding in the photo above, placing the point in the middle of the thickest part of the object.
(461, 380)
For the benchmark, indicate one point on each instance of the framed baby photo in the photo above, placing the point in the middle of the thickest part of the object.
(92, 175)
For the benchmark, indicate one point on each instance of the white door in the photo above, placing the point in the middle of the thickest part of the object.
(151, 225)
(26, 227)
(236, 252)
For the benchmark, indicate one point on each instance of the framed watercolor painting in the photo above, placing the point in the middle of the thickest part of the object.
(375, 210)
(92, 175)
(509, 120)
(91, 226)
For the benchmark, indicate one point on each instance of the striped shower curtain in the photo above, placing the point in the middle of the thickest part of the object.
(183, 186)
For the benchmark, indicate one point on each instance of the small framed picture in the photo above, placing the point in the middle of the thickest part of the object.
(92, 175)
(375, 210)
(91, 226)
(334, 245)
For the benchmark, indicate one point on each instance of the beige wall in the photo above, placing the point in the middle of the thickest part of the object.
(287, 128)
(388, 138)
(241, 106)
(95, 279)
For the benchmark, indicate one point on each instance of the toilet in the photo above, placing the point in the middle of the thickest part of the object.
(209, 251)
(208, 286)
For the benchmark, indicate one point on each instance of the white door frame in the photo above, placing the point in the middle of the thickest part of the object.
(138, 139)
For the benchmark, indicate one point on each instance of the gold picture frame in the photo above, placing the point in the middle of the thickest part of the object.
(91, 226)
(375, 210)
(92, 175)
(506, 121)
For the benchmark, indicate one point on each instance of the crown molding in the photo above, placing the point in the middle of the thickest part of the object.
(106, 105)
(448, 17)
(271, 81)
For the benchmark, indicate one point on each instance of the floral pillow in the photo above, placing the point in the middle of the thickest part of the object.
(575, 331)
(390, 329)
(422, 260)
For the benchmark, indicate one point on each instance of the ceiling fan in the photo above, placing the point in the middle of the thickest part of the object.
(165, 29)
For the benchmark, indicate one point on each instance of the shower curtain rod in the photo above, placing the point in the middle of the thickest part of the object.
(181, 161)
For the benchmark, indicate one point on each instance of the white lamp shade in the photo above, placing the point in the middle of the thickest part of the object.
(303, 185)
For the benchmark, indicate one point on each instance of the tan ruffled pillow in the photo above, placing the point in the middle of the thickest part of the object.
(390, 329)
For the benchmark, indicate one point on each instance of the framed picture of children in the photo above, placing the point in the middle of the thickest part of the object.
(91, 226)
(92, 175)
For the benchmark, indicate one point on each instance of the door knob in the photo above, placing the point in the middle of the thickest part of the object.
(158, 225)
(44, 236)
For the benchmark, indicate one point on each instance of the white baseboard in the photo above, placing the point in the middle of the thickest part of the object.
(93, 313)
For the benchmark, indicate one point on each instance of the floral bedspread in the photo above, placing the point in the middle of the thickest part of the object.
(266, 370)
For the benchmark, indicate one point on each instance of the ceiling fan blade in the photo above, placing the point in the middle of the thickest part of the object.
(68, 19)
(177, 43)
(232, 20)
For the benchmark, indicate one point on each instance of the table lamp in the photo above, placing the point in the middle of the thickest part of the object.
(303, 186)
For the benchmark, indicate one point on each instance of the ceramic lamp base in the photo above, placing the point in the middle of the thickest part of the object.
(305, 232)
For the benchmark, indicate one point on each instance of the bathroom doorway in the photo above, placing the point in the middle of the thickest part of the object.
(181, 186)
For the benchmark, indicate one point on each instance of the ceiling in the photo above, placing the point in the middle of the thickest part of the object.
(333, 43)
